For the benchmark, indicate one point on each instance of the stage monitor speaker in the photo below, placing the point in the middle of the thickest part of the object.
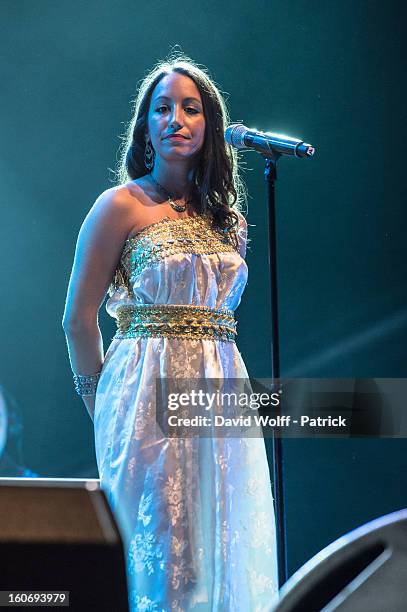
(363, 571)
(61, 536)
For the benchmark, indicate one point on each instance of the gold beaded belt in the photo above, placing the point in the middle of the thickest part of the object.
(175, 321)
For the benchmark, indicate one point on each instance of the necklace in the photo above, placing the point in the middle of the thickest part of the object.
(178, 207)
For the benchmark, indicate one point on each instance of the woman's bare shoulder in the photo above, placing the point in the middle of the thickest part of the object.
(242, 220)
(110, 217)
(119, 197)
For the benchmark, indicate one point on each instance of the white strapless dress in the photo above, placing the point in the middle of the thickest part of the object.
(196, 514)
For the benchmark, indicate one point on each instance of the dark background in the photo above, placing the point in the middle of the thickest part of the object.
(326, 71)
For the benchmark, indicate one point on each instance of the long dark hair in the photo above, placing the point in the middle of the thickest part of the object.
(217, 184)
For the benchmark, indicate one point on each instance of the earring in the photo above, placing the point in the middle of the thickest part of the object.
(149, 156)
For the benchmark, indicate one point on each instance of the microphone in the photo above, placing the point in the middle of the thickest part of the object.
(266, 143)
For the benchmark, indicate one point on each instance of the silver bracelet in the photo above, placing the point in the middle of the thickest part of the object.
(85, 384)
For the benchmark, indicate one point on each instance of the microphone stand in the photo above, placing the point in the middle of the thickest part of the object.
(270, 175)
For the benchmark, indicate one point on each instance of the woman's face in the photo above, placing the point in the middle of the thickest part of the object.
(176, 122)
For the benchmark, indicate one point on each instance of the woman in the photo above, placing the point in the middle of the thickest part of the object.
(196, 514)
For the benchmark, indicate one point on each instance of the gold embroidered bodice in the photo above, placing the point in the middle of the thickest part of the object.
(168, 237)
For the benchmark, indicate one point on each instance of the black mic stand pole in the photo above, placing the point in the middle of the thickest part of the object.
(270, 174)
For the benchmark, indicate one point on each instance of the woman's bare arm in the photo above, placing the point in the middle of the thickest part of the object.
(98, 249)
